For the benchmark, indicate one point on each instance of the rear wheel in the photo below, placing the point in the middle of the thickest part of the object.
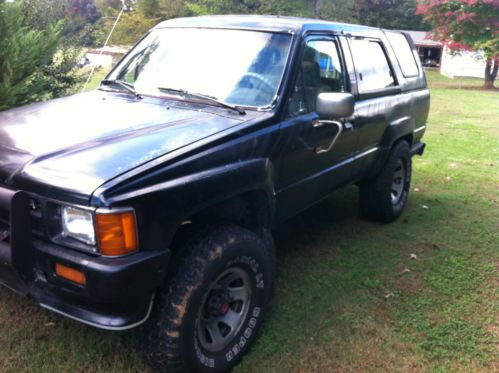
(207, 317)
(384, 197)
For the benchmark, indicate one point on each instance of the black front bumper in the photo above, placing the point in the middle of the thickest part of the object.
(118, 293)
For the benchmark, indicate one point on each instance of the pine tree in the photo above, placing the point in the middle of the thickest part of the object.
(32, 66)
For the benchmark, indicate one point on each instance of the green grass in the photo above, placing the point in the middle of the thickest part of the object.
(96, 78)
(440, 81)
(345, 300)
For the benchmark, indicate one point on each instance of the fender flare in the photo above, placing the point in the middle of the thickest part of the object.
(399, 128)
(181, 198)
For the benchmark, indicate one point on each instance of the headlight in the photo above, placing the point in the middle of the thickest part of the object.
(78, 224)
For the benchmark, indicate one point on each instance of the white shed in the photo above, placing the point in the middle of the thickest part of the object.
(464, 64)
(433, 53)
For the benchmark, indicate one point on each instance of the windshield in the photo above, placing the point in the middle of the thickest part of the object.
(236, 67)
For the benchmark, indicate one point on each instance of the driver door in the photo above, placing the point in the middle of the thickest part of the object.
(316, 153)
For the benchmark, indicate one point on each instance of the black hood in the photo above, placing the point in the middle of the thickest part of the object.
(79, 142)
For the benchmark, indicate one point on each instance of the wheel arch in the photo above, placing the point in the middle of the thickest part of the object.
(251, 209)
(402, 128)
(399, 130)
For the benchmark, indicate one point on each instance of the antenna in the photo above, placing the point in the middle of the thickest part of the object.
(105, 45)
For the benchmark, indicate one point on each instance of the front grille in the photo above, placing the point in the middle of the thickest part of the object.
(36, 214)
(36, 208)
(40, 221)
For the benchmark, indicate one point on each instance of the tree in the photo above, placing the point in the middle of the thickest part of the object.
(467, 25)
(316, 6)
(392, 14)
(203, 7)
(339, 11)
(171, 9)
(27, 57)
(78, 17)
(148, 8)
(138, 18)
(132, 26)
(77, 20)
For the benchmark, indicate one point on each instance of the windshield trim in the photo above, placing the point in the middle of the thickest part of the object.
(278, 96)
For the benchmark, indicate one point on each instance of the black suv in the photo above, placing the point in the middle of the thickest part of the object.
(150, 201)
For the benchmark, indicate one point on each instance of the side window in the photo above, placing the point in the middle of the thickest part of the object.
(403, 50)
(321, 71)
(371, 64)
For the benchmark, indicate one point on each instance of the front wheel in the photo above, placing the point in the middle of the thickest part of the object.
(384, 197)
(207, 317)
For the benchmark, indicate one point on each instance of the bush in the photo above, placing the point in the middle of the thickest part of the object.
(34, 64)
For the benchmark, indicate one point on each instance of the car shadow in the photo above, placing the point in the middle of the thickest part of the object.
(334, 215)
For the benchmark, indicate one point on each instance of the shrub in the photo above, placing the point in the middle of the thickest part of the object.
(34, 63)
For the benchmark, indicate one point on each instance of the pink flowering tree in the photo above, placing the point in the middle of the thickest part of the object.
(466, 25)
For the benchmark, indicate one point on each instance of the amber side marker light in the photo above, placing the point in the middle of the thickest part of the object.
(116, 233)
(70, 274)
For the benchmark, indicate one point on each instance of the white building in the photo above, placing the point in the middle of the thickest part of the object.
(465, 64)
(106, 57)
(434, 54)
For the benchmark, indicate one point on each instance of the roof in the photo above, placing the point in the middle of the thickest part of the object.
(262, 22)
(423, 38)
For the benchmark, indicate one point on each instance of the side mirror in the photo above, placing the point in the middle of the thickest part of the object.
(335, 105)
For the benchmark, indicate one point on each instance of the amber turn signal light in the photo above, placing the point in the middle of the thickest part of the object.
(70, 274)
(116, 233)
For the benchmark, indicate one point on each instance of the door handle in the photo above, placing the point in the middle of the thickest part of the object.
(347, 126)
(320, 123)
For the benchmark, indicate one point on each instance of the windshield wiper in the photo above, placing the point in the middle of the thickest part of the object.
(127, 86)
(183, 92)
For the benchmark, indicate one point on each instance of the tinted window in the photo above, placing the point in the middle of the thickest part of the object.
(404, 53)
(373, 70)
(321, 71)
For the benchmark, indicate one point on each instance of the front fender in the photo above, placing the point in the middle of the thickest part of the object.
(162, 207)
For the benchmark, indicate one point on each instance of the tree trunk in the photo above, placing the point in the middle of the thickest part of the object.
(317, 8)
(491, 68)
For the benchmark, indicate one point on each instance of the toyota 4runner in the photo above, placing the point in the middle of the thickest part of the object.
(149, 202)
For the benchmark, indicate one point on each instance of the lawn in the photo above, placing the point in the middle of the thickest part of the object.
(96, 78)
(420, 294)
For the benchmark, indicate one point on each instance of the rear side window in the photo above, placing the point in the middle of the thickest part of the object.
(404, 54)
(371, 65)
